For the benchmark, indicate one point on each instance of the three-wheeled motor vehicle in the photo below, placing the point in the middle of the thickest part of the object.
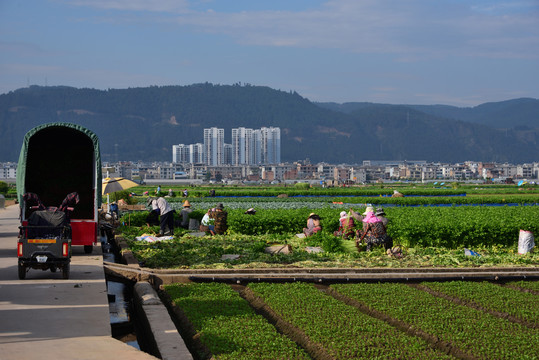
(57, 159)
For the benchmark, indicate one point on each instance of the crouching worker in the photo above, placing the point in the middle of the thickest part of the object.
(373, 232)
(313, 225)
(221, 225)
(346, 226)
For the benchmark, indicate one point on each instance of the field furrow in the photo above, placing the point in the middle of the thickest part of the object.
(474, 332)
(499, 300)
(344, 331)
(227, 327)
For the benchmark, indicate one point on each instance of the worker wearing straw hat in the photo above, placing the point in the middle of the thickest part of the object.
(184, 214)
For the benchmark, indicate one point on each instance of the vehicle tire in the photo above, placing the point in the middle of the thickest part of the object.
(65, 271)
(22, 272)
(88, 249)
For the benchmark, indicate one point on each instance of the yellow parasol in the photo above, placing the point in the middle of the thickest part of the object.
(111, 185)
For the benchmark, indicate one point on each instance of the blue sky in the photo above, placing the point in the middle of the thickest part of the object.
(453, 52)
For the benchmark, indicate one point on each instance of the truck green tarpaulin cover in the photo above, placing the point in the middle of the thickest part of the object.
(61, 153)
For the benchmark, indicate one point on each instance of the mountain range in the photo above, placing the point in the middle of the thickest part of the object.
(144, 123)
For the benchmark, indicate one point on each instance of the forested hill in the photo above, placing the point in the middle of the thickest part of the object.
(144, 123)
(517, 113)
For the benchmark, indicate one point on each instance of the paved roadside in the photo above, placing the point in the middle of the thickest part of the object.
(46, 317)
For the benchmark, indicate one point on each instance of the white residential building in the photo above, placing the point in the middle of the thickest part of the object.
(214, 146)
(196, 153)
(243, 146)
(271, 145)
(180, 153)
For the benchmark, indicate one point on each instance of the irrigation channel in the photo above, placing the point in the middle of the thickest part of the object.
(122, 310)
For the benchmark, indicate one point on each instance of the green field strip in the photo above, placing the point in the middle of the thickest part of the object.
(227, 326)
(474, 332)
(493, 297)
(344, 331)
(530, 285)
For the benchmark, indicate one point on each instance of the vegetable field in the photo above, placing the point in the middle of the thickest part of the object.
(465, 320)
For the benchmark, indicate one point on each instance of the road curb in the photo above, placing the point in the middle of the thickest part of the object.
(168, 342)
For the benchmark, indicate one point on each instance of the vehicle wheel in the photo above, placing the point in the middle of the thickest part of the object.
(88, 249)
(22, 272)
(65, 271)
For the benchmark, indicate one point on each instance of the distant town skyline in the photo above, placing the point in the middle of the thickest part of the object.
(461, 53)
(248, 147)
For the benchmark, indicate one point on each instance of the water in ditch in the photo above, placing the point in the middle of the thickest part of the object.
(120, 295)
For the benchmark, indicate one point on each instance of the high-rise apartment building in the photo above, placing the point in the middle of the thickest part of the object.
(271, 145)
(242, 146)
(214, 146)
(180, 153)
(249, 147)
(254, 147)
(196, 153)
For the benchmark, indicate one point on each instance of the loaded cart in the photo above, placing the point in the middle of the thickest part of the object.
(45, 242)
(58, 159)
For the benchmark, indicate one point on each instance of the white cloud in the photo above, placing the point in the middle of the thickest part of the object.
(421, 28)
(173, 6)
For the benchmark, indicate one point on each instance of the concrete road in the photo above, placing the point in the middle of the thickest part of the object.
(46, 317)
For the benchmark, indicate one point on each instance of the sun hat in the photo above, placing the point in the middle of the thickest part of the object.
(220, 206)
(311, 214)
(379, 211)
(343, 214)
(369, 209)
(150, 199)
(186, 203)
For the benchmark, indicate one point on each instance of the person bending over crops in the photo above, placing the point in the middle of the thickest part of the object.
(220, 219)
(381, 215)
(346, 226)
(373, 231)
(208, 220)
(313, 225)
(184, 214)
(166, 215)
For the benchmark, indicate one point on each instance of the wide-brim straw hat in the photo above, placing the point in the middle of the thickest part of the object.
(186, 203)
(368, 210)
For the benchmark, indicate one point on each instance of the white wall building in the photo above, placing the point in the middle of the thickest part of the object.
(271, 145)
(214, 146)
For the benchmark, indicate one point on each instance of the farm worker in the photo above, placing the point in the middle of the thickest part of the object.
(166, 216)
(346, 226)
(158, 190)
(208, 221)
(397, 194)
(220, 219)
(185, 193)
(313, 225)
(381, 215)
(184, 214)
(250, 211)
(373, 231)
(357, 216)
(153, 217)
